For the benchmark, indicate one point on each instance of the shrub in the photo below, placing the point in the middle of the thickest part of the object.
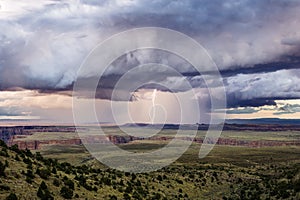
(126, 196)
(38, 156)
(297, 185)
(40, 192)
(12, 196)
(43, 192)
(66, 192)
(159, 178)
(28, 180)
(43, 173)
(29, 174)
(113, 197)
(17, 158)
(28, 153)
(2, 169)
(136, 196)
(56, 182)
(54, 171)
(69, 183)
(43, 185)
(3, 144)
(4, 187)
(4, 153)
(16, 149)
(179, 181)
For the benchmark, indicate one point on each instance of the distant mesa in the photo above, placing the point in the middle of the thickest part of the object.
(19, 134)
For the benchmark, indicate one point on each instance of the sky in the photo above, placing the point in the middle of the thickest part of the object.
(254, 43)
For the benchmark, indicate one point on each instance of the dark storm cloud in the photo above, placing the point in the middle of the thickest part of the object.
(236, 102)
(252, 42)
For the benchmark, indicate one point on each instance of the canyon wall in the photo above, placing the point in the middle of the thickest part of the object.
(17, 135)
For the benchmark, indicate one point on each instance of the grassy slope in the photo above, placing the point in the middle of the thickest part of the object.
(227, 172)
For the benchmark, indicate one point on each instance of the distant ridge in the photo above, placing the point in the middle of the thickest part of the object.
(266, 124)
(264, 121)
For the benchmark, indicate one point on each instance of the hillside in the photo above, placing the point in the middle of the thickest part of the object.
(230, 173)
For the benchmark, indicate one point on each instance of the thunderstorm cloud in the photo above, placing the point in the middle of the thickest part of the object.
(255, 44)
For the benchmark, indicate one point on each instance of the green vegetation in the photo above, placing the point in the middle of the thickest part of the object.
(226, 173)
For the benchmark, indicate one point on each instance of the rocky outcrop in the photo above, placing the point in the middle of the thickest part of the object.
(34, 144)
(7, 133)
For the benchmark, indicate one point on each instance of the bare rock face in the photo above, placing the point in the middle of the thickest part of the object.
(6, 133)
(35, 144)
(9, 134)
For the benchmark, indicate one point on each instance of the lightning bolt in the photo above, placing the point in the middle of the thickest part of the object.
(153, 104)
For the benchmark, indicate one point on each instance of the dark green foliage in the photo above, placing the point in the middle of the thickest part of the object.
(159, 178)
(191, 176)
(28, 153)
(95, 188)
(179, 181)
(156, 196)
(128, 189)
(27, 161)
(133, 177)
(12, 196)
(106, 180)
(127, 174)
(17, 158)
(43, 173)
(126, 196)
(56, 182)
(4, 188)
(81, 179)
(3, 144)
(29, 174)
(69, 183)
(38, 156)
(40, 192)
(54, 171)
(136, 195)
(4, 152)
(66, 192)
(43, 185)
(297, 185)
(16, 149)
(28, 180)
(43, 192)
(6, 163)
(113, 197)
(2, 169)
(88, 187)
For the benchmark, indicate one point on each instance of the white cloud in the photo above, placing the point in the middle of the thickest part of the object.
(280, 84)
